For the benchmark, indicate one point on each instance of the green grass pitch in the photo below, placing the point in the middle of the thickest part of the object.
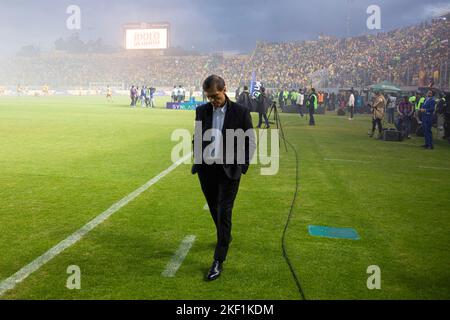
(64, 160)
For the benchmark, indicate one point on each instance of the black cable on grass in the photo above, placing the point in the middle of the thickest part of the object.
(283, 239)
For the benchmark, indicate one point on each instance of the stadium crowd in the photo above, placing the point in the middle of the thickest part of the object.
(64, 70)
(406, 56)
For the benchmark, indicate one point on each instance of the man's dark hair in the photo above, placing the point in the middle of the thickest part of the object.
(214, 81)
(263, 90)
(245, 88)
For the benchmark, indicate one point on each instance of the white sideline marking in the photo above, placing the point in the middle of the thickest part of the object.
(178, 258)
(345, 160)
(35, 265)
(206, 207)
(437, 168)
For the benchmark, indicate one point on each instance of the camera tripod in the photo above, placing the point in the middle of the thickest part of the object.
(277, 123)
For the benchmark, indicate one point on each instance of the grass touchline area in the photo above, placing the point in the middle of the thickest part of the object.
(65, 159)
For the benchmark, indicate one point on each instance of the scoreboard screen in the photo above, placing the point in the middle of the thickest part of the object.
(146, 37)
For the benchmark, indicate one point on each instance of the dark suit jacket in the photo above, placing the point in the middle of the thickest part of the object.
(236, 117)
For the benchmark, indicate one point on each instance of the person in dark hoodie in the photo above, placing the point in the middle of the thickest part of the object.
(263, 105)
(245, 99)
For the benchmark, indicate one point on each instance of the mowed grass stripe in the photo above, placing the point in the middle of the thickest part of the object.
(401, 216)
(66, 159)
(35, 265)
(123, 258)
(400, 211)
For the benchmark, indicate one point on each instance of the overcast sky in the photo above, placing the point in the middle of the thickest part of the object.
(205, 25)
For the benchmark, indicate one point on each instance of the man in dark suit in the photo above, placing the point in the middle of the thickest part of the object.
(221, 162)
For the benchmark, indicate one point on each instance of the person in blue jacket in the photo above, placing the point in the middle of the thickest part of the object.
(427, 111)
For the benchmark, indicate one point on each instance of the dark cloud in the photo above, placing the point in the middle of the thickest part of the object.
(204, 24)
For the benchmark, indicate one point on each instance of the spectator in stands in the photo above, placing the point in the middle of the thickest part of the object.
(406, 56)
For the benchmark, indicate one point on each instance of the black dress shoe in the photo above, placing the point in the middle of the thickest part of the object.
(215, 271)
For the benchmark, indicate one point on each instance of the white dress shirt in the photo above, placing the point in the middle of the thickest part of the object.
(218, 120)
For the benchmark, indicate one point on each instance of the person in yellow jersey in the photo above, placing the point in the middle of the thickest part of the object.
(419, 101)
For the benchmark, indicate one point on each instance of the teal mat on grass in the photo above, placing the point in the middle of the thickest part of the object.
(336, 233)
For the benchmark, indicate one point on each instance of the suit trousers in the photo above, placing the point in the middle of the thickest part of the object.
(220, 193)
